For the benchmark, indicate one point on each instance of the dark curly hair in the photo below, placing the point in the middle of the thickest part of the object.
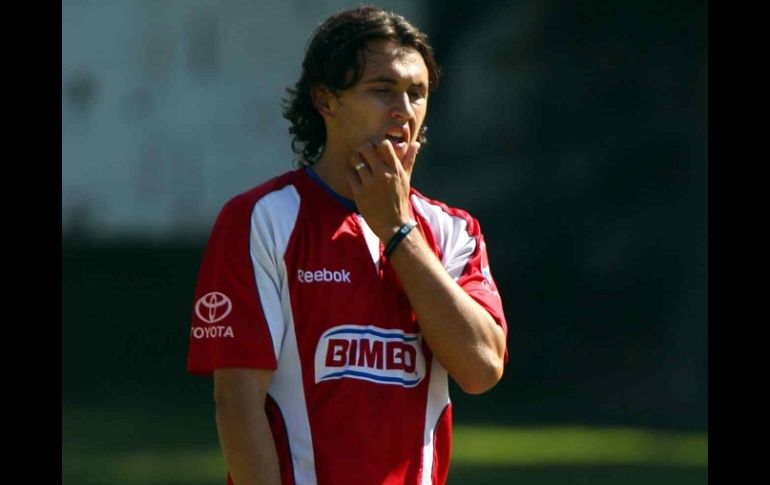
(335, 51)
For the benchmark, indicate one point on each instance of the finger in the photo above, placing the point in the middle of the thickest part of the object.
(388, 154)
(354, 181)
(357, 164)
(369, 154)
(360, 169)
(411, 156)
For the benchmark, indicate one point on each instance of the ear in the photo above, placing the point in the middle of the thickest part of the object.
(322, 100)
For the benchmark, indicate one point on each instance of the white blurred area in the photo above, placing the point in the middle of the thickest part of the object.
(170, 107)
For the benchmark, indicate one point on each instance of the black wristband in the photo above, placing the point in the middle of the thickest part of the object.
(398, 236)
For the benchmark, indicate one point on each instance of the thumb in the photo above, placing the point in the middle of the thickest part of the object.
(411, 155)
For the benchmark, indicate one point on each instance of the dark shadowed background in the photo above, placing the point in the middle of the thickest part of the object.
(576, 132)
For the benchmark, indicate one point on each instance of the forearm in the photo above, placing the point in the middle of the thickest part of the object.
(459, 331)
(247, 443)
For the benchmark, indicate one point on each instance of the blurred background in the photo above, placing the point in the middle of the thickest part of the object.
(576, 132)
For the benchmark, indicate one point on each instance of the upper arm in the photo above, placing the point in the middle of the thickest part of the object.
(237, 384)
(464, 256)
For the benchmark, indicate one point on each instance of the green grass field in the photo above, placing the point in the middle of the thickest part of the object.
(114, 447)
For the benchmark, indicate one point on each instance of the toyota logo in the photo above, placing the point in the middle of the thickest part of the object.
(213, 307)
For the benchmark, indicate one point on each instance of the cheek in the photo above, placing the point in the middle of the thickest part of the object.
(369, 108)
(419, 114)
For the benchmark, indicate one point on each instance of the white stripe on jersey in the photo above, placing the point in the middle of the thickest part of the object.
(451, 233)
(272, 222)
(438, 398)
(372, 242)
(457, 246)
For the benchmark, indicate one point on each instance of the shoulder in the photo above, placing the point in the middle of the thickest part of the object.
(275, 201)
(276, 192)
(442, 217)
(247, 199)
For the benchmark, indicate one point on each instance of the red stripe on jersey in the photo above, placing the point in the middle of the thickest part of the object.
(281, 439)
(442, 447)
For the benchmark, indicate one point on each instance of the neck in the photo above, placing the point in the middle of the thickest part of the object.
(331, 169)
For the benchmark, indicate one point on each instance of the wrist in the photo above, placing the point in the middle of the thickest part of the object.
(387, 232)
(398, 236)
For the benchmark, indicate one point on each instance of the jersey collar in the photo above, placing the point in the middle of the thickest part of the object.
(349, 204)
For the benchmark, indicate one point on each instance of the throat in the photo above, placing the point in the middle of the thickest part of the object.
(349, 204)
(333, 177)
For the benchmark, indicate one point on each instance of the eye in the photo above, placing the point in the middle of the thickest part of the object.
(416, 95)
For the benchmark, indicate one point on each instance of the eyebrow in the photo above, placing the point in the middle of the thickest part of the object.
(389, 80)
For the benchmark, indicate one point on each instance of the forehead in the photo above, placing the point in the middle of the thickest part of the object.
(389, 59)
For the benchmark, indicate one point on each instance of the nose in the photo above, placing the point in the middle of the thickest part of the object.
(402, 107)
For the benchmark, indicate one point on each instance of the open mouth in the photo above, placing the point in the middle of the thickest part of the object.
(396, 136)
(395, 139)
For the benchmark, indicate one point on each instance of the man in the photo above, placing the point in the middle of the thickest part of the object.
(333, 301)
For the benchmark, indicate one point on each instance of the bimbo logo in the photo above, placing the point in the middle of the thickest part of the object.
(384, 356)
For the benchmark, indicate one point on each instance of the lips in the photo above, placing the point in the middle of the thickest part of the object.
(397, 135)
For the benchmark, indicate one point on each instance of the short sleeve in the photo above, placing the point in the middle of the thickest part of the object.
(476, 279)
(462, 249)
(237, 282)
(467, 262)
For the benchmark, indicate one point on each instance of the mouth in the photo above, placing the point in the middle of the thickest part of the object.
(399, 137)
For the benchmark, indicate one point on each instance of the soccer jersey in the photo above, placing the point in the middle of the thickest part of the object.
(294, 280)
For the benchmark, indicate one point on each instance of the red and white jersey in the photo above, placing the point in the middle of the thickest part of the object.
(294, 280)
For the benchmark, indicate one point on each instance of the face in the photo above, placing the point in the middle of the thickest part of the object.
(390, 101)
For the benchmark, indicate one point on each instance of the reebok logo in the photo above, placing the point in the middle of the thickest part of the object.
(323, 275)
